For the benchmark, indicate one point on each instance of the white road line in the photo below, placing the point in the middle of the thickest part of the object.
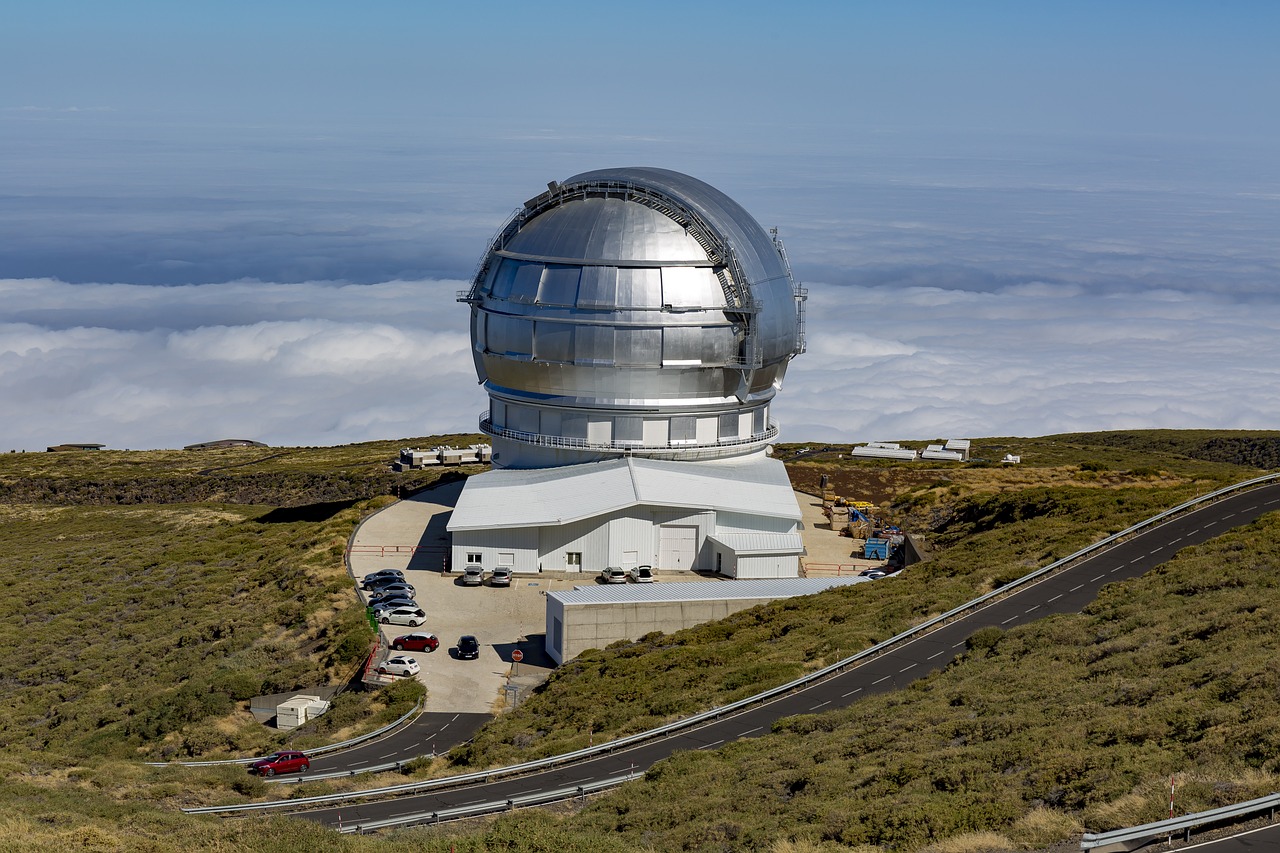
(878, 680)
(1229, 515)
(1179, 539)
(820, 704)
(1138, 559)
(934, 655)
(358, 763)
(708, 746)
(1074, 588)
(1029, 609)
(905, 668)
(851, 692)
(1116, 569)
(1055, 598)
(1153, 550)
(1098, 578)
(749, 731)
(1007, 621)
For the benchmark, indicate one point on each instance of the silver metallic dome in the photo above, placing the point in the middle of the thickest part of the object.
(632, 310)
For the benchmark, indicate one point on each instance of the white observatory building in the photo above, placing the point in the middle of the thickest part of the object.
(632, 327)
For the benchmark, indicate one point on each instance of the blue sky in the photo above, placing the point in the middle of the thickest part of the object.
(242, 219)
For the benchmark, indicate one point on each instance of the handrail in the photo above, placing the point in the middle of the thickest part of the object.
(319, 750)
(759, 698)
(540, 440)
(1175, 824)
(538, 798)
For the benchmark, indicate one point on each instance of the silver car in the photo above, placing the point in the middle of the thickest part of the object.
(472, 575)
(501, 576)
(642, 574)
(613, 574)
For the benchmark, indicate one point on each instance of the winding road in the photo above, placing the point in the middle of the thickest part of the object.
(1067, 591)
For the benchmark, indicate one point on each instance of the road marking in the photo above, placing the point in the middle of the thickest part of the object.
(1074, 588)
(1229, 515)
(958, 645)
(905, 668)
(934, 655)
(1116, 569)
(820, 704)
(1137, 559)
(1007, 621)
(878, 680)
(1250, 508)
(358, 763)
(1153, 550)
(1179, 539)
(388, 755)
(749, 731)
(708, 746)
(1055, 598)
(851, 692)
(1029, 609)
(1098, 578)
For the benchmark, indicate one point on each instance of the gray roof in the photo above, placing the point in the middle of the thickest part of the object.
(772, 588)
(748, 544)
(509, 497)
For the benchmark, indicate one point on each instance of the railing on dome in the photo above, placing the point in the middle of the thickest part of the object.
(562, 442)
(724, 259)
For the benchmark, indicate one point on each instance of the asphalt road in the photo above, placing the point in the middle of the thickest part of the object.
(1065, 592)
(429, 734)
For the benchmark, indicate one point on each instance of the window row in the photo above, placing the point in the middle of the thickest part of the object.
(571, 343)
(630, 429)
(596, 288)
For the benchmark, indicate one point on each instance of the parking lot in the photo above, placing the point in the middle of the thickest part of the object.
(410, 535)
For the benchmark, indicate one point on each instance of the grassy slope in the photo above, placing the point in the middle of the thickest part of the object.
(987, 529)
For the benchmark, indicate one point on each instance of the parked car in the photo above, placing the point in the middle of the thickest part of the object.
(642, 574)
(419, 642)
(398, 599)
(873, 574)
(399, 665)
(613, 574)
(398, 589)
(383, 582)
(285, 761)
(411, 616)
(383, 573)
(472, 575)
(501, 576)
(468, 647)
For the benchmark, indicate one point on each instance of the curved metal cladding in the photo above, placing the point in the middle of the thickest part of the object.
(632, 310)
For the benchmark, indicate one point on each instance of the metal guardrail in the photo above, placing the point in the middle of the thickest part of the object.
(539, 798)
(319, 750)
(760, 698)
(1184, 824)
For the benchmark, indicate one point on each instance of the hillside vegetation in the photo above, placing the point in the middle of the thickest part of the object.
(143, 627)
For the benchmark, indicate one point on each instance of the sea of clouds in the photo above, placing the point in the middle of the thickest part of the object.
(299, 294)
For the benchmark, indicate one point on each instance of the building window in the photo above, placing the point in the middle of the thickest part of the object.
(573, 559)
(473, 558)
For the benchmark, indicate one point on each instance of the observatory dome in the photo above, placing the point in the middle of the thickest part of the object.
(631, 311)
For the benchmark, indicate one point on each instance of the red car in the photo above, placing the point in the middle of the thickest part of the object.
(416, 643)
(286, 761)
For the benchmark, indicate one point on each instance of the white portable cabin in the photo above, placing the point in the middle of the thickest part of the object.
(299, 710)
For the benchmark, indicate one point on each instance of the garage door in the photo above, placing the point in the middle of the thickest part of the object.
(678, 547)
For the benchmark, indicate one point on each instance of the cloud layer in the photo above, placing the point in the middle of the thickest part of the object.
(136, 366)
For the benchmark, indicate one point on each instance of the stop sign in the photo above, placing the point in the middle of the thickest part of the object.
(517, 656)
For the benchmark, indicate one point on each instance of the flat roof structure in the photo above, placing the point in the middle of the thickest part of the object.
(588, 617)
